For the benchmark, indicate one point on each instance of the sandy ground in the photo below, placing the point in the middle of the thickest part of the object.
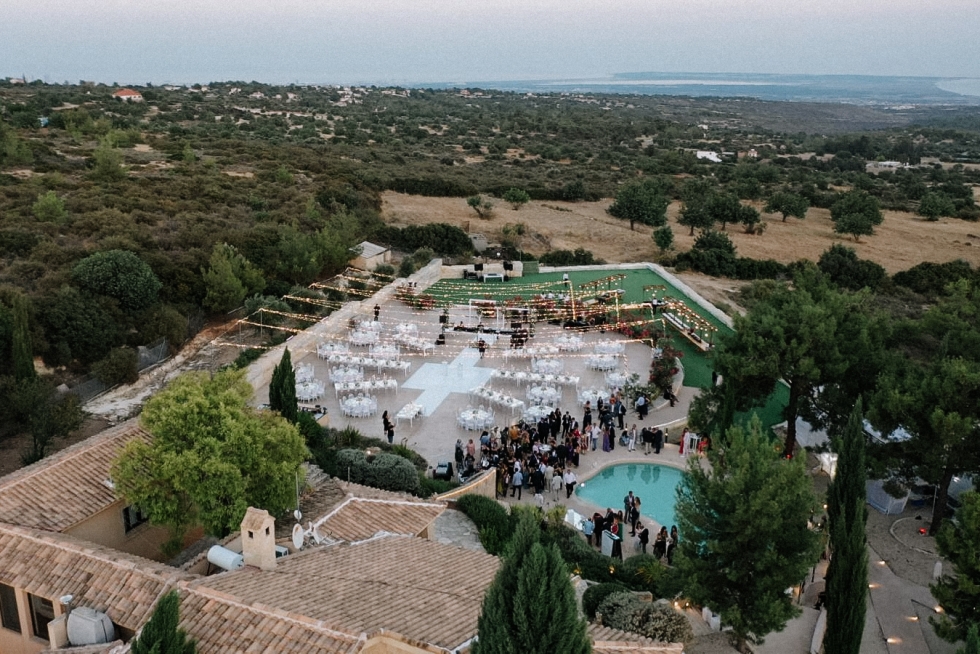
(902, 240)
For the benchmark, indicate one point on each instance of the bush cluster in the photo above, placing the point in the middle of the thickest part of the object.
(385, 471)
(713, 253)
(657, 621)
(579, 257)
(594, 596)
(441, 238)
(931, 278)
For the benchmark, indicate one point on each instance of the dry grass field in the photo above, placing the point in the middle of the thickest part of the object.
(902, 240)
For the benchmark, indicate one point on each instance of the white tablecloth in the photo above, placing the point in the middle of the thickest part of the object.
(616, 379)
(303, 372)
(541, 350)
(346, 374)
(535, 413)
(366, 386)
(610, 347)
(385, 350)
(359, 407)
(534, 377)
(569, 343)
(324, 350)
(475, 419)
(602, 362)
(369, 326)
(543, 395)
(361, 338)
(409, 412)
(496, 397)
(307, 391)
(415, 343)
(407, 329)
(547, 366)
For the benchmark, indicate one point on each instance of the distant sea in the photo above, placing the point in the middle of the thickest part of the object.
(851, 89)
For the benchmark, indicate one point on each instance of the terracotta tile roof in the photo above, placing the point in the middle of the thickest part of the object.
(68, 486)
(359, 519)
(220, 623)
(318, 502)
(50, 565)
(371, 493)
(423, 590)
(125, 93)
(613, 641)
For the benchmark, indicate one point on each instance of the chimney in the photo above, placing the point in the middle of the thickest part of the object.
(259, 539)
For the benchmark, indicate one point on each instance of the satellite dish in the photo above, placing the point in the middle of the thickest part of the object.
(298, 515)
(298, 536)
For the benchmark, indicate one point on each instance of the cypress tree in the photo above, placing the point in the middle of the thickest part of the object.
(972, 641)
(22, 351)
(847, 577)
(161, 635)
(530, 607)
(282, 389)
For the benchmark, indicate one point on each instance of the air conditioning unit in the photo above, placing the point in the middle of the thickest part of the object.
(281, 551)
(89, 627)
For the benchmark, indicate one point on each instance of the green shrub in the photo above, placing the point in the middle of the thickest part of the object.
(580, 257)
(385, 471)
(656, 621)
(391, 472)
(423, 256)
(842, 265)
(312, 432)
(491, 519)
(120, 367)
(442, 238)
(406, 268)
(595, 594)
(931, 278)
(383, 272)
(614, 606)
(245, 357)
(643, 572)
(429, 486)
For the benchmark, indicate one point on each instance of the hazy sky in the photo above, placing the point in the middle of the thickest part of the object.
(406, 41)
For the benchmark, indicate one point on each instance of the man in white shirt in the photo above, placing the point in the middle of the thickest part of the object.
(570, 481)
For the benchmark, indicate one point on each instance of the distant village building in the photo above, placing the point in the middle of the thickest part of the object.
(710, 155)
(128, 95)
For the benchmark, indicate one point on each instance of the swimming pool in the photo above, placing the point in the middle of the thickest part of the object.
(654, 484)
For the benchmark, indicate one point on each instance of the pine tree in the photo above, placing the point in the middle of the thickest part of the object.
(282, 389)
(160, 635)
(22, 354)
(847, 577)
(744, 533)
(530, 607)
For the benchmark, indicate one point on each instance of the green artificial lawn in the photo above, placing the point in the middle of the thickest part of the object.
(697, 364)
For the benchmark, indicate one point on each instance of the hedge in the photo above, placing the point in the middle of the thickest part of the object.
(385, 471)
(595, 594)
(492, 521)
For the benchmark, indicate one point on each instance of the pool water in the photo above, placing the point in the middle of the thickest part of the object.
(654, 484)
